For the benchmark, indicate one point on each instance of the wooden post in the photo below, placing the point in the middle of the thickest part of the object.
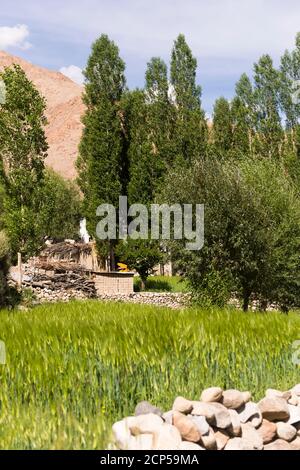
(20, 270)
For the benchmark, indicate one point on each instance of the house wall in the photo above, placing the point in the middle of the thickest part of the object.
(114, 283)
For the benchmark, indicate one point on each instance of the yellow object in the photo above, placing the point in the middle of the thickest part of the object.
(123, 268)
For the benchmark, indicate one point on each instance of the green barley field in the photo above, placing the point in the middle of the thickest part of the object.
(73, 369)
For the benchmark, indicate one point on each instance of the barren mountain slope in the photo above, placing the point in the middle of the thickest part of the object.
(64, 111)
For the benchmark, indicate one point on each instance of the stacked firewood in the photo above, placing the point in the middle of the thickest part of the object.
(61, 281)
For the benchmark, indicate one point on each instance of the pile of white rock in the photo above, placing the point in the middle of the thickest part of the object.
(220, 420)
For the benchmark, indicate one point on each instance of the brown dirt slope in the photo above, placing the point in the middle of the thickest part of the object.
(64, 111)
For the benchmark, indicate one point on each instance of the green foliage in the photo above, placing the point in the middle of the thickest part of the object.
(61, 210)
(214, 289)
(149, 123)
(241, 130)
(4, 245)
(222, 127)
(102, 161)
(249, 211)
(145, 160)
(92, 363)
(27, 298)
(140, 255)
(157, 86)
(183, 75)
(104, 73)
(23, 149)
(290, 72)
(267, 95)
(190, 128)
(162, 284)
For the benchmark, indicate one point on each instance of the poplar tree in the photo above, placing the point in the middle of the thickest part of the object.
(243, 112)
(290, 97)
(190, 126)
(269, 132)
(102, 160)
(241, 131)
(23, 149)
(222, 128)
(290, 86)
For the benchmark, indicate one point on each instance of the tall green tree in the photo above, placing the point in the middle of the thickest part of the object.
(290, 97)
(190, 125)
(144, 165)
(290, 87)
(183, 76)
(149, 129)
(102, 161)
(241, 131)
(160, 113)
(222, 128)
(23, 148)
(148, 119)
(269, 132)
(244, 114)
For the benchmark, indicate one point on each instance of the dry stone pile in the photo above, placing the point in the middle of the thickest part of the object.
(220, 420)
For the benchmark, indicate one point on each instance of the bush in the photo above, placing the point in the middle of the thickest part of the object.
(252, 231)
(214, 290)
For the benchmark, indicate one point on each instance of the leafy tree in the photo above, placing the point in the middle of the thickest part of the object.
(144, 162)
(190, 128)
(23, 149)
(249, 211)
(183, 76)
(102, 162)
(290, 97)
(161, 114)
(148, 123)
(241, 131)
(147, 115)
(269, 132)
(140, 255)
(290, 75)
(222, 128)
(60, 213)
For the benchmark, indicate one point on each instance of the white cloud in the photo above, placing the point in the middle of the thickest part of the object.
(14, 36)
(229, 29)
(218, 28)
(74, 73)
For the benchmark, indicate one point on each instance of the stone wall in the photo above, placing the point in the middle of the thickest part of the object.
(170, 300)
(62, 285)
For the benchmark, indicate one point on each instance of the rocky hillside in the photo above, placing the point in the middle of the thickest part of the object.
(64, 111)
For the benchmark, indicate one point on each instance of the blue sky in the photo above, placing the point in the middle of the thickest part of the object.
(226, 36)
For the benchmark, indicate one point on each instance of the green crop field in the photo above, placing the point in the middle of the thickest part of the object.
(172, 284)
(73, 369)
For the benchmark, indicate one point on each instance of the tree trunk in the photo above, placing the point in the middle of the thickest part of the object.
(20, 271)
(3, 284)
(112, 258)
(143, 284)
(246, 299)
